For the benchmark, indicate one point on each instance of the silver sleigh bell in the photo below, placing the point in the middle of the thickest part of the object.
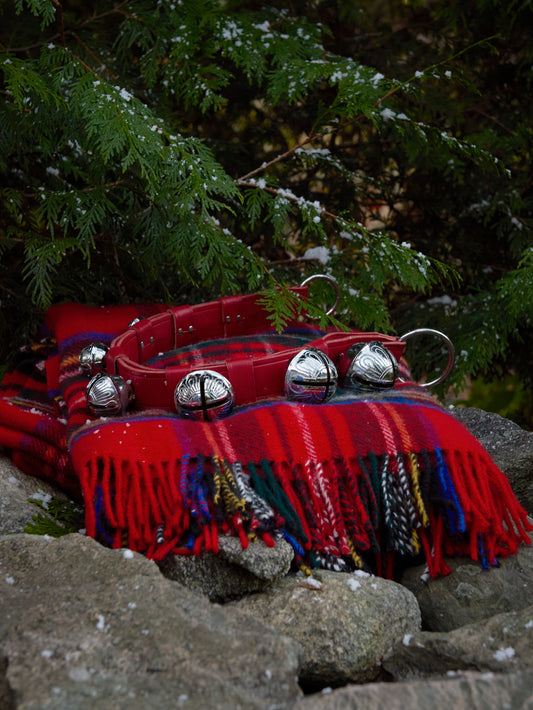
(204, 395)
(311, 377)
(373, 367)
(91, 358)
(108, 395)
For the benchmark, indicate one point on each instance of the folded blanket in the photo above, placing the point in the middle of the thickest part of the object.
(358, 481)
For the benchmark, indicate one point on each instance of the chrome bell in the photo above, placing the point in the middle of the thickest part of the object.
(108, 395)
(311, 377)
(92, 358)
(204, 395)
(373, 367)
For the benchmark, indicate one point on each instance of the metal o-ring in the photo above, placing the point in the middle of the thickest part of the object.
(449, 346)
(331, 280)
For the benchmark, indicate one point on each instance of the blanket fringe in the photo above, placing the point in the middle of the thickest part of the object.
(336, 514)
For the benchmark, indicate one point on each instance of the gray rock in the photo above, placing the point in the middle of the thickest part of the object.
(344, 622)
(85, 627)
(510, 446)
(464, 691)
(7, 696)
(502, 644)
(267, 563)
(471, 593)
(15, 489)
(82, 626)
(232, 572)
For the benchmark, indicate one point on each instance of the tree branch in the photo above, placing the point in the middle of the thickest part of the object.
(346, 121)
(59, 9)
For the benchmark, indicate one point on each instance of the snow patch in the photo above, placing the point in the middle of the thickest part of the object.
(321, 254)
(504, 654)
(42, 497)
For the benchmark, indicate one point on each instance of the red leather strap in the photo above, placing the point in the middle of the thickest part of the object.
(252, 378)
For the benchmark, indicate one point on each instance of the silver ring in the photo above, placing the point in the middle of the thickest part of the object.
(325, 277)
(449, 346)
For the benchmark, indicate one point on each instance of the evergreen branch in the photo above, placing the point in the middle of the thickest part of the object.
(345, 121)
(92, 188)
(65, 32)
(449, 59)
(60, 516)
(286, 194)
(283, 156)
(87, 49)
(117, 9)
(381, 256)
(44, 8)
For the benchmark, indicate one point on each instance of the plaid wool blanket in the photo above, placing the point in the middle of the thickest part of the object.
(358, 481)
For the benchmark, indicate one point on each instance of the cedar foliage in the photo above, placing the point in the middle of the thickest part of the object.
(60, 516)
(182, 149)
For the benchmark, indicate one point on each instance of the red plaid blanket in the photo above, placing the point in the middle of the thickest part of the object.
(358, 481)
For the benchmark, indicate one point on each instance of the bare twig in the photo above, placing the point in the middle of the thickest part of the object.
(59, 12)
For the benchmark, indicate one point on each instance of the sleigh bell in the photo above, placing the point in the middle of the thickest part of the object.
(108, 395)
(373, 367)
(311, 377)
(91, 358)
(204, 395)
